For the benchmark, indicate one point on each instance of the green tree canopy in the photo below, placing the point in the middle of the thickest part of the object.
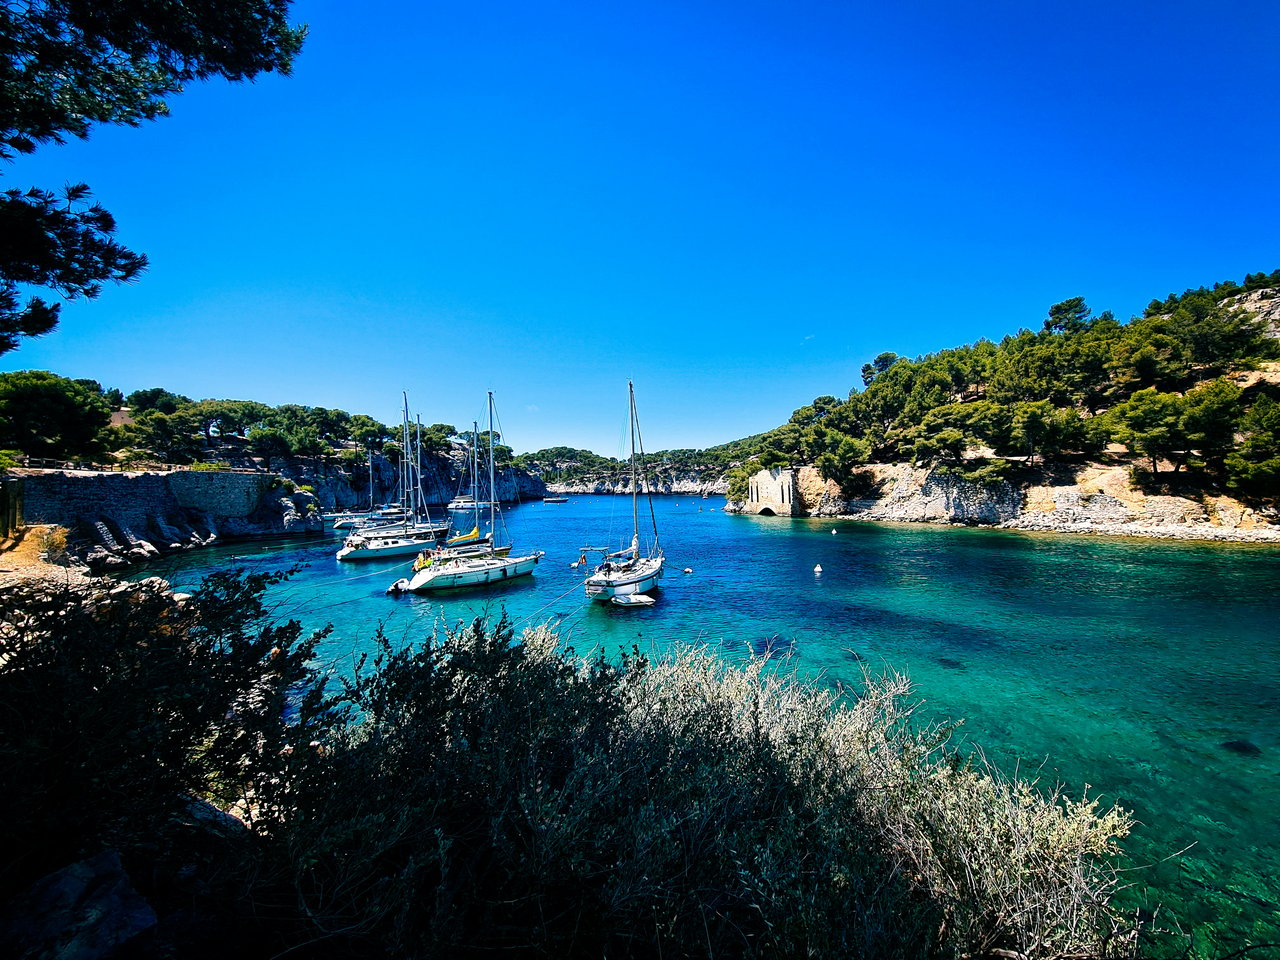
(45, 415)
(1255, 467)
(156, 398)
(269, 443)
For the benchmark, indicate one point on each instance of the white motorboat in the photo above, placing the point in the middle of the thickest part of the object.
(629, 572)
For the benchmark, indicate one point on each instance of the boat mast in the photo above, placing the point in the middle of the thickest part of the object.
(420, 496)
(655, 548)
(493, 491)
(370, 477)
(635, 493)
(475, 473)
(404, 464)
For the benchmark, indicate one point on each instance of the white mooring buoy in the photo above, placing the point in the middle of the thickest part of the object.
(817, 568)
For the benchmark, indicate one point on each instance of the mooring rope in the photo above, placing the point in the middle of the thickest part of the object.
(526, 619)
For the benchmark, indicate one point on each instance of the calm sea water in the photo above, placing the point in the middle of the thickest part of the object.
(1126, 665)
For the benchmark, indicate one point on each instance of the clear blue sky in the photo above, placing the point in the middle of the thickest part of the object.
(734, 204)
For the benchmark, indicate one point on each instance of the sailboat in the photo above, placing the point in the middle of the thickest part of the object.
(351, 519)
(465, 509)
(415, 528)
(626, 574)
(493, 564)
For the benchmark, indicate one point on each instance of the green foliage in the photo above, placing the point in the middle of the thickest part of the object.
(740, 481)
(1255, 467)
(269, 443)
(566, 464)
(63, 242)
(229, 417)
(502, 795)
(70, 64)
(1212, 296)
(838, 464)
(366, 431)
(10, 459)
(171, 437)
(472, 794)
(46, 415)
(1151, 423)
(119, 712)
(1067, 390)
(156, 398)
(1209, 419)
(988, 472)
(876, 367)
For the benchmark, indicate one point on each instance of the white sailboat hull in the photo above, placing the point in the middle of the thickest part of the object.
(382, 548)
(473, 572)
(640, 576)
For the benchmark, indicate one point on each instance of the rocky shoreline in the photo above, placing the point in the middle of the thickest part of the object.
(1095, 499)
(113, 520)
(691, 487)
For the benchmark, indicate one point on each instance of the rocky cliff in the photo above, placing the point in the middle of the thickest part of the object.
(691, 484)
(1092, 498)
(119, 518)
(344, 488)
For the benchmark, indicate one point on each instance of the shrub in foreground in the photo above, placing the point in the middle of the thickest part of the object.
(475, 793)
(499, 795)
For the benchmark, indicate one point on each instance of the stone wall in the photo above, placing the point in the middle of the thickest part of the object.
(774, 493)
(118, 518)
(220, 494)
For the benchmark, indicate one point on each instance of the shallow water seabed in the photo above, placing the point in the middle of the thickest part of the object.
(1123, 664)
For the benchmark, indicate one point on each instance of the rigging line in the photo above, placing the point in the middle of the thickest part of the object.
(547, 604)
(364, 576)
(649, 487)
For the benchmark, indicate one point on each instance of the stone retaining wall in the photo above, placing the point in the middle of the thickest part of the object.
(220, 494)
(117, 518)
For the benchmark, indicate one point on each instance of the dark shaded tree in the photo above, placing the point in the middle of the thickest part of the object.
(877, 366)
(156, 398)
(1255, 467)
(270, 443)
(68, 65)
(45, 415)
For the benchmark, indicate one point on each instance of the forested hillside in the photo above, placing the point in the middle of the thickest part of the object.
(45, 415)
(1172, 386)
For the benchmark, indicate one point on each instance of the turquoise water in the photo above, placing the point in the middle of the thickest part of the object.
(1125, 665)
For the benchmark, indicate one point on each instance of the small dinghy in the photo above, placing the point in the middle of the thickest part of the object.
(633, 600)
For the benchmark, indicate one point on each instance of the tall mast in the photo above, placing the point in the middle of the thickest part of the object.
(404, 463)
(371, 476)
(493, 491)
(635, 491)
(420, 497)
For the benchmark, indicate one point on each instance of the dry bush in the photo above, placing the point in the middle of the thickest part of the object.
(498, 795)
